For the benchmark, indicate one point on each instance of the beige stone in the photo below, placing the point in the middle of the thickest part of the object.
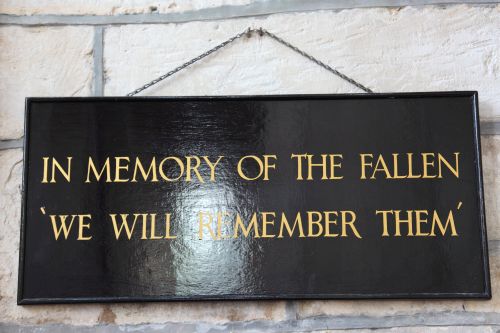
(41, 61)
(108, 7)
(491, 179)
(214, 312)
(412, 49)
(427, 329)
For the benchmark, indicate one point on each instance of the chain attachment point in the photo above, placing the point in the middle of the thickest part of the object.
(248, 33)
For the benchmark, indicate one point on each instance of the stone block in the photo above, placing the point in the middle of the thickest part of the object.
(41, 61)
(389, 50)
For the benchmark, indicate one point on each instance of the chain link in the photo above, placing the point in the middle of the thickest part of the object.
(248, 33)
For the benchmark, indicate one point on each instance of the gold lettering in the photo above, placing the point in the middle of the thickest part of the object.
(212, 166)
(97, 175)
(364, 164)
(385, 232)
(349, 223)
(268, 166)
(427, 161)
(410, 167)
(45, 169)
(449, 222)
(246, 231)
(454, 170)
(322, 165)
(153, 227)
(193, 168)
(419, 220)
(221, 222)
(65, 173)
(329, 221)
(145, 175)
(124, 225)
(259, 163)
(265, 222)
(334, 165)
(399, 220)
(63, 227)
(119, 167)
(381, 161)
(396, 169)
(297, 223)
(313, 222)
(167, 228)
(299, 158)
(179, 164)
(82, 225)
(205, 225)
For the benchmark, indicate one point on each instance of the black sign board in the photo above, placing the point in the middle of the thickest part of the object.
(261, 197)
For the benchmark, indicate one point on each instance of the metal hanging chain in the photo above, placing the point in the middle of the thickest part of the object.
(248, 32)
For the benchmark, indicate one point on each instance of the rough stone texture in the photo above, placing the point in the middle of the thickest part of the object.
(455, 329)
(407, 49)
(215, 329)
(389, 50)
(108, 7)
(41, 61)
(491, 174)
(234, 8)
(247, 315)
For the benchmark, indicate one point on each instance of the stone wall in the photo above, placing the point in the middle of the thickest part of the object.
(110, 47)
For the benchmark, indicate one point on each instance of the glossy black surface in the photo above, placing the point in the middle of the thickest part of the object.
(104, 269)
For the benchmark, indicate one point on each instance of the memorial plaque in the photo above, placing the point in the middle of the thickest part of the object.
(253, 197)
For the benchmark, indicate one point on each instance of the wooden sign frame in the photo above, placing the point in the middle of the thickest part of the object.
(35, 288)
